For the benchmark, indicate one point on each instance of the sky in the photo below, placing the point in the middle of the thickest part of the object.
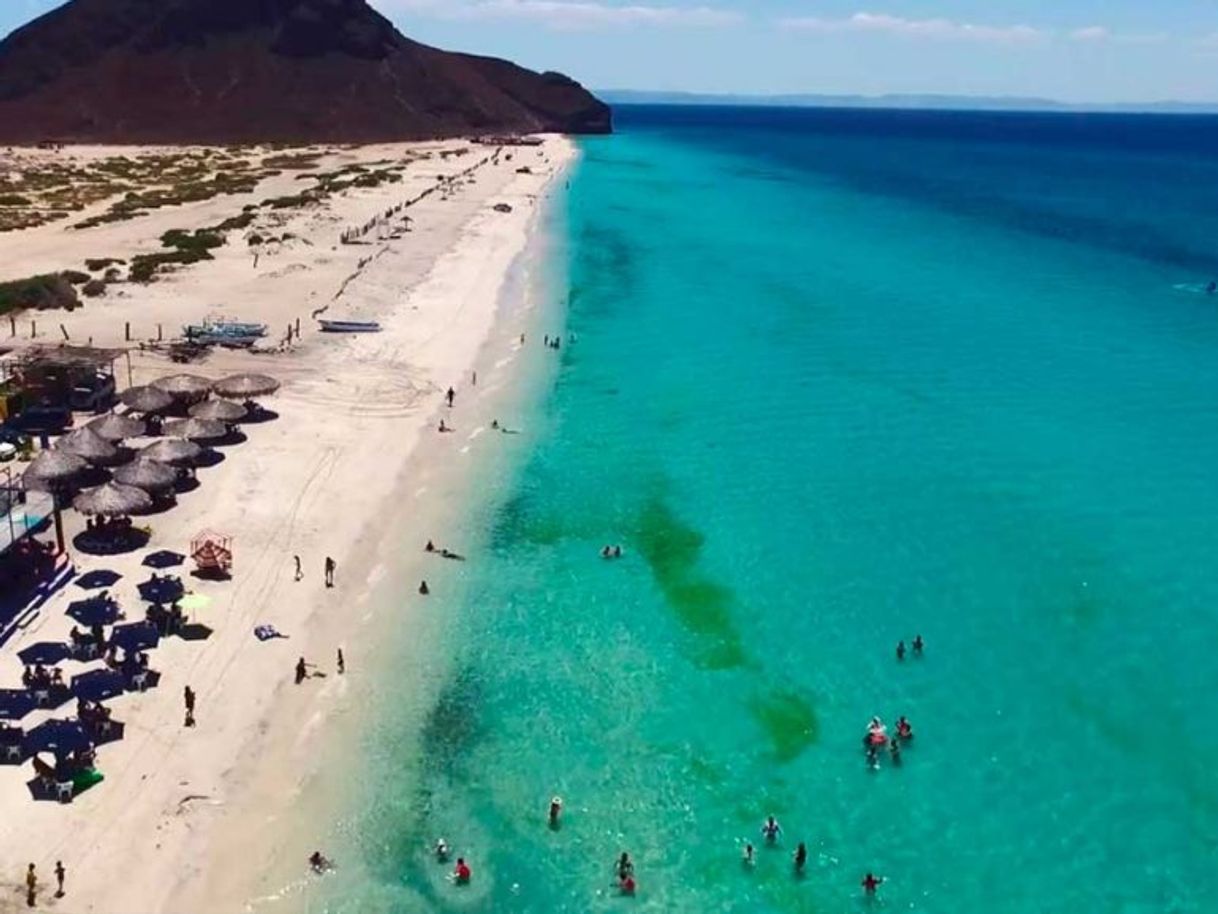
(1070, 50)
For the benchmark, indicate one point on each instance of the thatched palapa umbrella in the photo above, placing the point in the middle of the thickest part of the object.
(196, 429)
(114, 427)
(86, 443)
(145, 399)
(146, 474)
(218, 410)
(112, 500)
(177, 452)
(183, 386)
(52, 468)
(246, 385)
(48, 472)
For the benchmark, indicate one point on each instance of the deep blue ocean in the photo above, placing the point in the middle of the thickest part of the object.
(840, 378)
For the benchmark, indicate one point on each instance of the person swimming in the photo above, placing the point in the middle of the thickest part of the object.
(462, 872)
(900, 650)
(801, 857)
(748, 855)
(1211, 288)
(607, 552)
(870, 883)
(441, 850)
(904, 729)
(555, 811)
(917, 645)
(770, 830)
(894, 750)
(625, 867)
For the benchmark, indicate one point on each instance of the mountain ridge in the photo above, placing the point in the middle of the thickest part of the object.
(234, 71)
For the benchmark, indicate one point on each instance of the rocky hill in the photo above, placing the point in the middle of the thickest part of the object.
(244, 71)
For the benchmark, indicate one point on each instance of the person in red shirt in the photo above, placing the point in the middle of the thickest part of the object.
(627, 885)
(462, 872)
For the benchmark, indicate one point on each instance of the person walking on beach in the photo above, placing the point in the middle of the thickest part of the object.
(60, 873)
(299, 572)
(188, 697)
(451, 395)
(330, 568)
(31, 886)
(424, 590)
(342, 664)
(302, 671)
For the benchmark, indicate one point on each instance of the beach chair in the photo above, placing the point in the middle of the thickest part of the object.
(64, 791)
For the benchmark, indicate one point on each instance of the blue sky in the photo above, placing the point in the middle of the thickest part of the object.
(1074, 50)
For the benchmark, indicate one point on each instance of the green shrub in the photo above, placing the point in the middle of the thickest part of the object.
(75, 277)
(93, 288)
(38, 292)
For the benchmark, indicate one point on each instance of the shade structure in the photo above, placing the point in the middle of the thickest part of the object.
(51, 468)
(246, 385)
(112, 500)
(196, 429)
(114, 427)
(164, 558)
(96, 580)
(99, 685)
(183, 386)
(145, 399)
(162, 590)
(16, 703)
(177, 452)
(58, 736)
(212, 551)
(44, 652)
(136, 636)
(218, 410)
(147, 474)
(86, 443)
(94, 611)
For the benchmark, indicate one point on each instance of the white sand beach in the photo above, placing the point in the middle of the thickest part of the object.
(193, 819)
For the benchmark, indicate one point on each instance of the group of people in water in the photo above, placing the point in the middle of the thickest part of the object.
(877, 739)
(771, 832)
(611, 552)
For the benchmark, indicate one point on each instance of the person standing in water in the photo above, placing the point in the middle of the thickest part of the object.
(900, 650)
(917, 645)
(801, 857)
(770, 830)
(748, 855)
(625, 867)
(870, 883)
(462, 872)
(555, 811)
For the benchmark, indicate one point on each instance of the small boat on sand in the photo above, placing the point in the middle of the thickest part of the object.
(349, 326)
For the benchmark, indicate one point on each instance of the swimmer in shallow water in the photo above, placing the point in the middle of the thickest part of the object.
(801, 857)
(770, 830)
(555, 811)
(748, 855)
(625, 867)
(441, 850)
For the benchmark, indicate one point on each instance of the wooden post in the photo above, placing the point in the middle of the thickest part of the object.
(297, 328)
(12, 325)
(33, 329)
(129, 382)
(127, 332)
(158, 333)
(64, 331)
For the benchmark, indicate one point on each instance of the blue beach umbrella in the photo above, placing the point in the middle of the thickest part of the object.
(96, 580)
(15, 703)
(136, 636)
(94, 611)
(162, 590)
(58, 736)
(164, 559)
(99, 685)
(44, 652)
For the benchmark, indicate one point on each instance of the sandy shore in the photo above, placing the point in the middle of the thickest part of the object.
(199, 819)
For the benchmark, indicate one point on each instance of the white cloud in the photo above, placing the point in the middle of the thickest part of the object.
(1098, 34)
(574, 14)
(943, 29)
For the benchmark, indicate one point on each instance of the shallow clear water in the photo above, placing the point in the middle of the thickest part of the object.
(840, 379)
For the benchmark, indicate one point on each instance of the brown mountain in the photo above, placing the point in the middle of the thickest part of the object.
(238, 71)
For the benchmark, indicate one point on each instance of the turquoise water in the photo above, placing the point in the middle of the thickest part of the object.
(838, 380)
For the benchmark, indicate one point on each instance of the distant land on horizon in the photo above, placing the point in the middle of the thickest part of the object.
(898, 101)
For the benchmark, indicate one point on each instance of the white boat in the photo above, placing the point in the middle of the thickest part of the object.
(349, 326)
